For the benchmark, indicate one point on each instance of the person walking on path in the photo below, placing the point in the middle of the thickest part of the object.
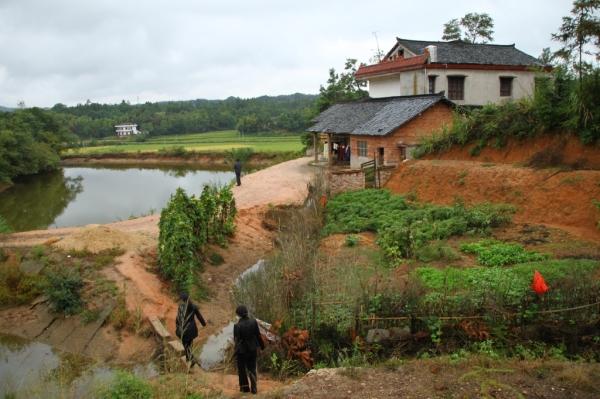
(246, 335)
(185, 326)
(237, 168)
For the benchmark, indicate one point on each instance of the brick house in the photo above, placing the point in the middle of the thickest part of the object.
(469, 73)
(383, 129)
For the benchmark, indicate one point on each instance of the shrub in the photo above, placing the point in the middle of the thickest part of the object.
(243, 154)
(4, 227)
(179, 240)
(63, 289)
(127, 386)
(352, 240)
(16, 287)
(216, 259)
(496, 253)
(186, 225)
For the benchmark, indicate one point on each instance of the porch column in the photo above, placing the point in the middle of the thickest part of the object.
(329, 149)
(315, 147)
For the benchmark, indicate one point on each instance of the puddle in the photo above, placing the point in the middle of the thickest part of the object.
(36, 370)
(213, 352)
(252, 269)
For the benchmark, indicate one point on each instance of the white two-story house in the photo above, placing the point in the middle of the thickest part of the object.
(126, 129)
(469, 74)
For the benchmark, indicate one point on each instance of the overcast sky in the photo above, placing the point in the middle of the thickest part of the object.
(69, 51)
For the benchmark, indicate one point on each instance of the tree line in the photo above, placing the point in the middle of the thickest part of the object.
(289, 113)
(30, 141)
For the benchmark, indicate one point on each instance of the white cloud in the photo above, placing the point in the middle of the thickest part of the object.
(69, 51)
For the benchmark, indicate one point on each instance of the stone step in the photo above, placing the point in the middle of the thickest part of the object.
(159, 328)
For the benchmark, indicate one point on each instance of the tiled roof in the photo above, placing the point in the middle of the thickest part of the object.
(374, 117)
(460, 52)
(390, 66)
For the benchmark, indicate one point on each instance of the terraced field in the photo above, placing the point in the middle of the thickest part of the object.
(219, 141)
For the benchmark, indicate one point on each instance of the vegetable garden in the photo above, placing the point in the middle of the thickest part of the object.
(433, 279)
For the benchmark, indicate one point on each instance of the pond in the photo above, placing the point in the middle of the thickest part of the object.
(76, 196)
(35, 370)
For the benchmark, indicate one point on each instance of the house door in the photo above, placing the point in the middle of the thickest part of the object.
(380, 156)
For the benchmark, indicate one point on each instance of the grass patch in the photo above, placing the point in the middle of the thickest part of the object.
(127, 386)
(17, 287)
(497, 253)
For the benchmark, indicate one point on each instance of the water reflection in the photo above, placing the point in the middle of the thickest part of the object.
(77, 196)
(35, 370)
(34, 202)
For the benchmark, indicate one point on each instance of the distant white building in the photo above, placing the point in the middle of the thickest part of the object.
(126, 130)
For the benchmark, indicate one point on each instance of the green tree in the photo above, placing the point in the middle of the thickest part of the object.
(472, 28)
(547, 57)
(578, 30)
(341, 87)
(452, 30)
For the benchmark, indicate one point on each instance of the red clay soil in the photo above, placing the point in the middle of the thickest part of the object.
(474, 377)
(551, 197)
(568, 147)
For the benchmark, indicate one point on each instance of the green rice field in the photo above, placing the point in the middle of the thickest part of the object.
(219, 141)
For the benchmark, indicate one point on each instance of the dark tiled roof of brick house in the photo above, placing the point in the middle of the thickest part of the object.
(460, 52)
(374, 116)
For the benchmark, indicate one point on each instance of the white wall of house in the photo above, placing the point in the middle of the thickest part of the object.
(480, 88)
(411, 83)
(483, 87)
(387, 86)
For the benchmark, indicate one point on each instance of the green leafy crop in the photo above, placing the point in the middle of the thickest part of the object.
(404, 227)
(496, 253)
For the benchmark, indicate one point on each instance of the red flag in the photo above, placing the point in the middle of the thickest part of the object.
(539, 285)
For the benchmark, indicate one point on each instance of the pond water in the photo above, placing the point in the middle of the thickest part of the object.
(76, 196)
(35, 370)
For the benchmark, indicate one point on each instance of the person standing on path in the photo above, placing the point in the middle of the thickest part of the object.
(237, 168)
(246, 335)
(185, 326)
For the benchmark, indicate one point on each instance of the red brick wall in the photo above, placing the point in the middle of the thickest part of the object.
(421, 126)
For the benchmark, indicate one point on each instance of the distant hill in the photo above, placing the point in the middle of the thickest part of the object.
(6, 109)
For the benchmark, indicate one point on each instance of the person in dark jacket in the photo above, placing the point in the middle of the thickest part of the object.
(185, 325)
(246, 335)
(237, 168)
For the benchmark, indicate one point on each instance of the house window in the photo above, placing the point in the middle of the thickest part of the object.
(432, 84)
(456, 87)
(362, 148)
(506, 86)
